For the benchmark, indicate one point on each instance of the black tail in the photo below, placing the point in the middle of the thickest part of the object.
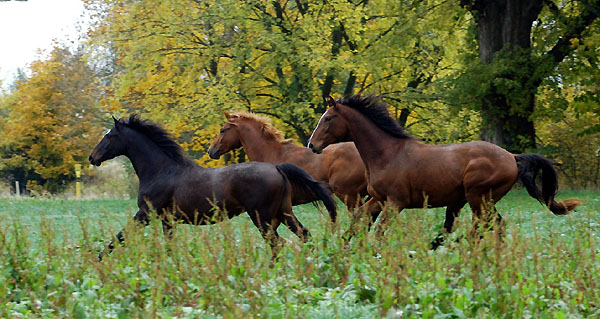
(529, 166)
(302, 182)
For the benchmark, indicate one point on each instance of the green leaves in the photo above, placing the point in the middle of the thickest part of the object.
(185, 61)
(546, 266)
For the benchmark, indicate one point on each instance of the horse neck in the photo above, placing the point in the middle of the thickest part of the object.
(373, 144)
(146, 157)
(258, 148)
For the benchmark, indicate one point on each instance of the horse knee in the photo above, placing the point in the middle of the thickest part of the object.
(141, 217)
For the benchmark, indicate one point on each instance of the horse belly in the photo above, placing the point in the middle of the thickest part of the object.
(443, 194)
(439, 200)
(200, 207)
(207, 211)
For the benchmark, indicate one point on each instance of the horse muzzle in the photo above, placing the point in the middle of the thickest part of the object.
(315, 149)
(94, 161)
(214, 153)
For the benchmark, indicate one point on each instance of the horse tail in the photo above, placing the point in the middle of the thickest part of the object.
(302, 182)
(529, 166)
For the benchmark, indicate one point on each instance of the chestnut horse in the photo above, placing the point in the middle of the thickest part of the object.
(411, 174)
(339, 165)
(178, 188)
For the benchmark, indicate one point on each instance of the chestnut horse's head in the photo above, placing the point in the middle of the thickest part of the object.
(111, 146)
(332, 128)
(228, 138)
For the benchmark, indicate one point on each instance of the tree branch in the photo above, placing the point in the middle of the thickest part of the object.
(563, 47)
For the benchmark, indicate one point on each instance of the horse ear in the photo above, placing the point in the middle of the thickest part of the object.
(230, 117)
(116, 121)
(331, 102)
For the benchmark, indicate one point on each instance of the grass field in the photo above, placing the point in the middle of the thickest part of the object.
(546, 267)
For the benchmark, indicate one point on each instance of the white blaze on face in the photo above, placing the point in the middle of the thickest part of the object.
(107, 132)
(313, 133)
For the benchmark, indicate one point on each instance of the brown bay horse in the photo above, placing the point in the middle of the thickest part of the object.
(410, 174)
(340, 165)
(179, 189)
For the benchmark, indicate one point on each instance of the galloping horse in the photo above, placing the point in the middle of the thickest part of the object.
(177, 187)
(410, 174)
(339, 165)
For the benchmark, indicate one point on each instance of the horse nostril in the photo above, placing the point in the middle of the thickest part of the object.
(213, 153)
(310, 145)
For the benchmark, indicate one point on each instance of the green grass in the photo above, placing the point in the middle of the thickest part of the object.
(546, 267)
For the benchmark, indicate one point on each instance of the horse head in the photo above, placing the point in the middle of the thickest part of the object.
(228, 138)
(332, 128)
(111, 145)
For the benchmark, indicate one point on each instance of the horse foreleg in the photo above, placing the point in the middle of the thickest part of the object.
(371, 209)
(141, 217)
(452, 212)
(384, 216)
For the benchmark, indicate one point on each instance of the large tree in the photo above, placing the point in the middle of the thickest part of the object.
(184, 61)
(50, 120)
(512, 69)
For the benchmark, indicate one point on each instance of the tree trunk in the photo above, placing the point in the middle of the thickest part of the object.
(505, 25)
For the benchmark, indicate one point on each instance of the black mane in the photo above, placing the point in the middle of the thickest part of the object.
(374, 109)
(159, 136)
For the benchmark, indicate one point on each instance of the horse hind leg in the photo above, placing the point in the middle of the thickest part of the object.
(167, 229)
(485, 216)
(290, 220)
(351, 201)
(267, 227)
(452, 212)
(494, 221)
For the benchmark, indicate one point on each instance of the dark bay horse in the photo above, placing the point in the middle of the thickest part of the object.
(339, 165)
(411, 174)
(177, 188)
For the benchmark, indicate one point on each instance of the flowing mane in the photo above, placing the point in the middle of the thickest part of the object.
(267, 128)
(374, 109)
(159, 136)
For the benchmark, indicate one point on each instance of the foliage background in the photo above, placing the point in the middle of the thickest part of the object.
(182, 62)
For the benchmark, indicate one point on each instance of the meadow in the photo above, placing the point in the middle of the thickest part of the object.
(546, 267)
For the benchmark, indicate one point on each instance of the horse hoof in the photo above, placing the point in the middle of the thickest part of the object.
(435, 244)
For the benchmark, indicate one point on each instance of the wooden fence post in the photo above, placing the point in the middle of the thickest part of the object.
(78, 181)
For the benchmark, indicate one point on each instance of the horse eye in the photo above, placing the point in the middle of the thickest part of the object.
(327, 119)
(222, 131)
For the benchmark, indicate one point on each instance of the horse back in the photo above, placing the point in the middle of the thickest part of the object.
(248, 184)
(315, 165)
(235, 188)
